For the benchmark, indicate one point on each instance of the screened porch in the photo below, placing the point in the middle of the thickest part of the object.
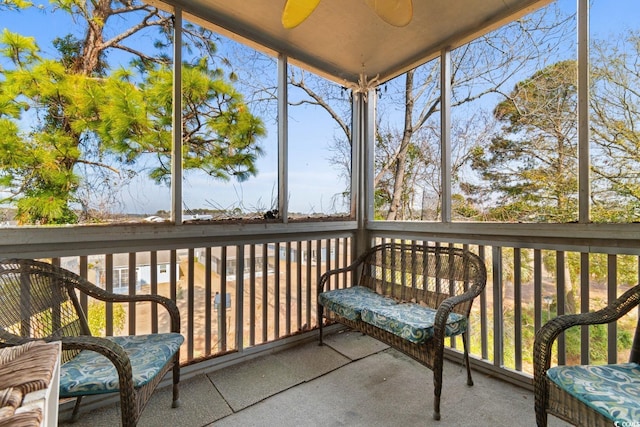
(246, 286)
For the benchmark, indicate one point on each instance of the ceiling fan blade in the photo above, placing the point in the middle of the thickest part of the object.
(296, 11)
(395, 12)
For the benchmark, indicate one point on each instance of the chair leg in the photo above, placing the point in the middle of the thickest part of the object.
(466, 359)
(541, 418)
(76, 409)
(320, 322)
(176, 381)
(129, 410)
(437, 384)
(541, 393)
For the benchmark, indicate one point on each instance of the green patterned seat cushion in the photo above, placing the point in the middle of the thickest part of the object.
(412, 322)
(92, 373)
(611, 390)
(348, 302)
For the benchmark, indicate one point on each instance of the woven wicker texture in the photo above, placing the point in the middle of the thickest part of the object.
(28, 368)
(31, 418)
(24, 369)
(41, 301)
(551, 399)
(446, 279)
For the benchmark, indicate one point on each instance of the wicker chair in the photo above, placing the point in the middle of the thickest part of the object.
(564, 391)
(41, 301)
(431, 284)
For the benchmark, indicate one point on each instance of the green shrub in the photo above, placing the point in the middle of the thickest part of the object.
(97, 315)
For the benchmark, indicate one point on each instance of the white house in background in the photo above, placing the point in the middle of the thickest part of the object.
(120, 273)
(230, 260)
(262, 264)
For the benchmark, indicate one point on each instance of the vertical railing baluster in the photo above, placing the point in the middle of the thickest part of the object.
(498, 318)
(467, 333)
(298, 285)
(84, 272)
(414, 269)
(327, 256)
(438, 261)
(131, 283)
(345, 261)
(584, 307)
(26, 302)
(208, 294)
(561, 302)
(276, 292)
(452, 288)
(403, 270)
(56, 311)
(612, 294)
(319, 270)
(517, 308)
(153, 289)
(222, 306)
(311, 309)
(537, 289)
(425, 270)
(108, 285)
(288, 291)
(484, 335)
(239, 299)
(252, 295)
(173, 279)
(265, 292)
(392, 268)
(190, 302)
(336, 257)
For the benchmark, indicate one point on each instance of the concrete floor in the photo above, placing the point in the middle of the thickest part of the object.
(351, 381)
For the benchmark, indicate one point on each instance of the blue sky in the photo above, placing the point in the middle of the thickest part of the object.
(612, 16)
(313, 180)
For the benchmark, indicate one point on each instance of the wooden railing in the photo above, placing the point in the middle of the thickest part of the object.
(246, 292)
(230, 297)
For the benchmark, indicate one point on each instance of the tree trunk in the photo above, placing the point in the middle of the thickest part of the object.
(89, 60)
(401, 160)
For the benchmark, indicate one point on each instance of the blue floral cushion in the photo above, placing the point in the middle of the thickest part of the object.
(348, 302)
(412, 322)
(92, 373)
(612, 390)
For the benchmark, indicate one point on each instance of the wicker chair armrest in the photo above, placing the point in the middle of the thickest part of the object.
(446, 307)
(111, 351)
(7, 339)
(105, 347)
(98, 293)
(548, 333)
(324, 278)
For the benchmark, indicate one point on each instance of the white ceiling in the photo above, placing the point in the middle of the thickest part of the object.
(344, 38)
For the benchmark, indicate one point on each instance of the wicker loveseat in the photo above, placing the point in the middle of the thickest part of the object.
(39, 301)
(410, 297)
(588, 395)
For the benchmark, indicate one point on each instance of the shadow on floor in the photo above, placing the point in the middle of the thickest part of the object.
(353, 380)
